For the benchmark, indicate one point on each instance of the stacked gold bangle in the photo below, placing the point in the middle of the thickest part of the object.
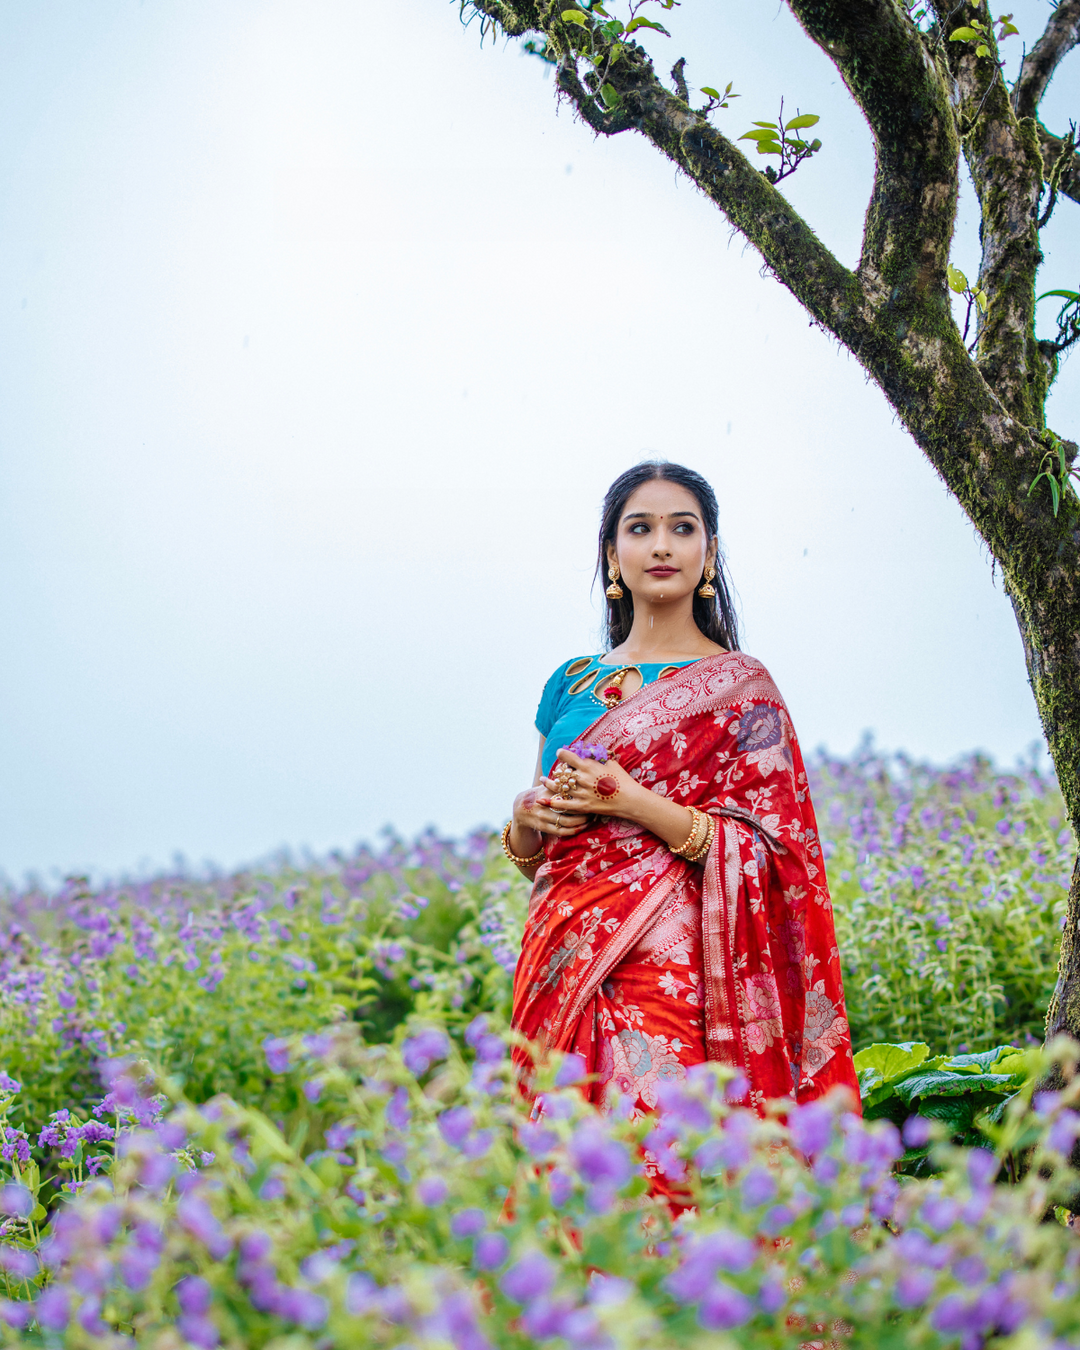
(536, 859)
(701, 837)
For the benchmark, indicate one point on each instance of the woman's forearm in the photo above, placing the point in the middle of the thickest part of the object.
(666, 819)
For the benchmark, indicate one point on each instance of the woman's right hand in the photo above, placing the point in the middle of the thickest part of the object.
(534, 815)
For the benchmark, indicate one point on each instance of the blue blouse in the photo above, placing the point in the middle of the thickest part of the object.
(571, 699)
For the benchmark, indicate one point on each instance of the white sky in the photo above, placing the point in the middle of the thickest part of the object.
(322, 333)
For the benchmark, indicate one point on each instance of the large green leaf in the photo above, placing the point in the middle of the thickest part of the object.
(945, 1082)
(889, 1061)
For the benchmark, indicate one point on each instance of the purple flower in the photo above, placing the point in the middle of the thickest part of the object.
(490, 1251)
(53, 1308)
(599, 1158)
(917, 1130)
(913, 1288)
(771, 1296)
(15, 1314)
(301, 1306)
(455, 1124)
(340, 1135)
(758, 1187)
(560, 1187)
(703, 1257)
(982, 1167)
(197, 1218)
(397, 1110)
(432, 1191)
(490, 1049)
(1062, 1134)
(16, 1200)
(18, 1261)
(255, 1246)
(426, 1048)
(276, 1049)
(16, 1146)
(468, 1222)
(9, 1084)
(193, 1295)
(776, 1220)
(723, 1307)
(312, 1089)
(478, 1144)
(531, 1277)
(970, 1270)
(731, 1149)
(939, 1213)
(137, 1265)
(198, 1331)
(811, 1127)
(537, 1140)
(572, 1070)
(675, 1101)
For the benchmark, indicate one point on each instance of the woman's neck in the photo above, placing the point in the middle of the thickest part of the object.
(658, 635)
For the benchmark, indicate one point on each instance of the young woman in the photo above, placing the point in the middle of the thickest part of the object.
(680, 910)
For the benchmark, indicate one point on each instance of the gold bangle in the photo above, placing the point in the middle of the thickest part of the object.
(698, 831)
(703, 851)
(534, 861)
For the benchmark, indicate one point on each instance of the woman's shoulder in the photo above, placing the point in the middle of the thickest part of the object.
(559, 681)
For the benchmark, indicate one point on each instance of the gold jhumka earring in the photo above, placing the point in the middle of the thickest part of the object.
(614, 591)
(707, 590)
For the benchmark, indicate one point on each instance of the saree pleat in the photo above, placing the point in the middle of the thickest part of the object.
(645, 964)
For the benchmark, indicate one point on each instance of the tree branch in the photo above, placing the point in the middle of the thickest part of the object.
(1051, 146)
(885, 64)
(1061, 36)
(1005, 162)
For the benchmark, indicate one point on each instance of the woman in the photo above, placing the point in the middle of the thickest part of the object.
(680, 910)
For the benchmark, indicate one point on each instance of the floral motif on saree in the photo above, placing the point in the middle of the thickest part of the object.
(645, 964)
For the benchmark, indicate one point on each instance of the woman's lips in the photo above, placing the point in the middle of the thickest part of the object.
(661, 571)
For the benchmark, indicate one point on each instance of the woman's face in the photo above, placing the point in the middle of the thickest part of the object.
(660, 545)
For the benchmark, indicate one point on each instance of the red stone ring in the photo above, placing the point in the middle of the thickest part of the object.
(606, 787)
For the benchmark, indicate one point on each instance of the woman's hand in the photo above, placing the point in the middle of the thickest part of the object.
(535, 815)
(587, 786)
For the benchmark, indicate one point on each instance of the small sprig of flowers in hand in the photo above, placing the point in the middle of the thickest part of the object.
(587, 781)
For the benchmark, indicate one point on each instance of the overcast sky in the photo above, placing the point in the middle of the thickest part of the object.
(322, 333)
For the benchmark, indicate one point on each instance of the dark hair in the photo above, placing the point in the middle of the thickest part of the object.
(715, 617)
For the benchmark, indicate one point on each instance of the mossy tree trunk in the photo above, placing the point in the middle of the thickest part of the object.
(977, 414)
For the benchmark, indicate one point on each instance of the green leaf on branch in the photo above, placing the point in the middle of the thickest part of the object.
(712, 93)
(805, 120)
(963, 35)
(957, 281)
(1065, 295)
(763, 134)
(574, 16)
(982, 49)
(610, 95)
(641, 22)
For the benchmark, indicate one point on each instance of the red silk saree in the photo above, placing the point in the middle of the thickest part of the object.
(645, 964)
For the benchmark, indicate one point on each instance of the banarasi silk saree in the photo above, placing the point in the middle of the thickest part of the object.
(644, 964)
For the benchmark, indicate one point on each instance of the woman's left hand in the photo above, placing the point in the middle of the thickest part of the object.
(573, 786)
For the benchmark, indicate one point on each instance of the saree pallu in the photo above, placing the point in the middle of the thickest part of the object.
(645, 964)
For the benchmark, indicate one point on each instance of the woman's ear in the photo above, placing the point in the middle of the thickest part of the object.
(712, 551)
(611, 555)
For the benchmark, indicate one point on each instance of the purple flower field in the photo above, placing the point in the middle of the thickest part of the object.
(274, 1107)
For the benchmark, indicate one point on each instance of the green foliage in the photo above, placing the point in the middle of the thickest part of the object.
(410, 1201)
(949, 892)
(774, 138)
(1057, 472)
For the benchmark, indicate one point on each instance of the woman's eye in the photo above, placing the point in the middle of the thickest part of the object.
(684, 528)
(639, 528)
